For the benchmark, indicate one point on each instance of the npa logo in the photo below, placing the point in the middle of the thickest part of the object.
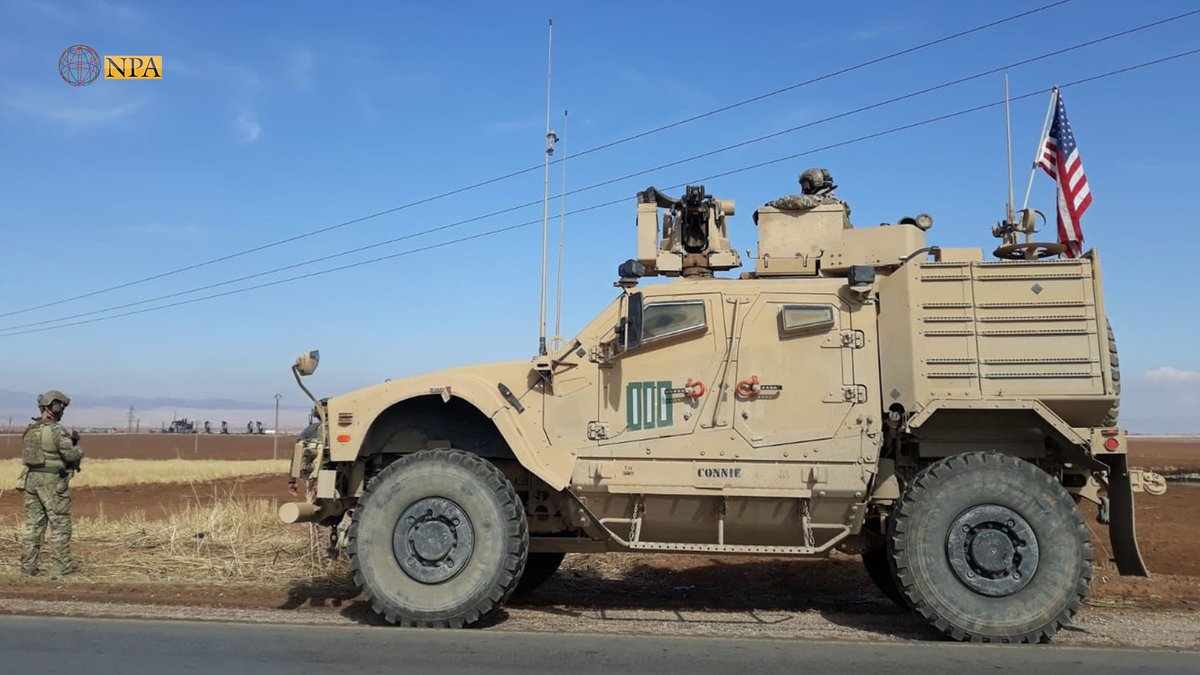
(80, 65)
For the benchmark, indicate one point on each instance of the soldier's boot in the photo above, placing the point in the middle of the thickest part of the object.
(29, 558)
(67, 569)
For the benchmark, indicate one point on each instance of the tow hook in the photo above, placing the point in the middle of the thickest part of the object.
(1149, 482)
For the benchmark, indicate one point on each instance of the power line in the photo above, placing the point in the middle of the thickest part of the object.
(618, 179)
(518, 172)
(751, 167)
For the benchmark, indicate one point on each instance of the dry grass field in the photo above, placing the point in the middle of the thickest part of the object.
(169, 446)
(122, 472)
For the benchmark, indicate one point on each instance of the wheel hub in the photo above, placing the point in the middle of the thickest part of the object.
(992, 550)
(433, 540)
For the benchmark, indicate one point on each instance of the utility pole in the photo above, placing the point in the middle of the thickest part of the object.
(275, 440)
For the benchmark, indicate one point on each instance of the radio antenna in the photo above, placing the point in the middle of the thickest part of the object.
(550, 140)
(1009, 213)
(562, 220)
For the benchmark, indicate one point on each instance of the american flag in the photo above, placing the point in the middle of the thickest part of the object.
(1060, 159)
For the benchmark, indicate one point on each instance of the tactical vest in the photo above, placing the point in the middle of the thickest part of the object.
(39, 451)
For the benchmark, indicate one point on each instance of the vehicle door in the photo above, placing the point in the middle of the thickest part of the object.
(795, 369)
(659, 383)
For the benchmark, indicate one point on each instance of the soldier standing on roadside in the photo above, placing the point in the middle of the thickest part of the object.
(52, 457)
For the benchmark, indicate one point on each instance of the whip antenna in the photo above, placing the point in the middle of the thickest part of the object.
(562, 219)
(1008, 138)
(550, 140)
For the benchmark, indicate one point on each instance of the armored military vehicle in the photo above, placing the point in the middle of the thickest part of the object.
(859, 390)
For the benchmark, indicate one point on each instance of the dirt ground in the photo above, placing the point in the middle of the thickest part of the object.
(637, 585)
(168, 446)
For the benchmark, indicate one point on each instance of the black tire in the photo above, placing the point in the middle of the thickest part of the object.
(1049, 549)
(451, 504)
(879, 568)
(1110, 420)
(538, 569)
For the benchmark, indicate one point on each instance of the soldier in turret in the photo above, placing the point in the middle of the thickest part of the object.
(816, 189)
(52, 457)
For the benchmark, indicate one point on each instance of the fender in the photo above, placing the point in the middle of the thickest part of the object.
(1056, 423)
(1121, 526)
(351, 415)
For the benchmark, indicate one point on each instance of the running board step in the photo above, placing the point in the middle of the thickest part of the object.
(723, 548)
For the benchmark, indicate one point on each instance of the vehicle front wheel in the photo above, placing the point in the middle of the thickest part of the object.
(990, 548)
(439, 539)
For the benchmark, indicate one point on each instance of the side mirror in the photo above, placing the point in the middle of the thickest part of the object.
(630, 328)
(306, 364)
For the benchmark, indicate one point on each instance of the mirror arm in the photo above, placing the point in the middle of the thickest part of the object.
(320, 408)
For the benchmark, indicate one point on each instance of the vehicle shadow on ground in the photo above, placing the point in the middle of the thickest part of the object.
(684, 590)
(726, 591)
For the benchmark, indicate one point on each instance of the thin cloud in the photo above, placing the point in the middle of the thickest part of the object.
(300, 66)
(71, 111)
(525, 124)
(117, 11)
(161, 230)
(875, 32)
(248, 127)
(1170, 374)
(45, 9)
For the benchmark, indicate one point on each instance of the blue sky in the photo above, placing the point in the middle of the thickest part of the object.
(273, 120)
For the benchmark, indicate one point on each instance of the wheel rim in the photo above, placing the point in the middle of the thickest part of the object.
(992, 550)
(433, 540)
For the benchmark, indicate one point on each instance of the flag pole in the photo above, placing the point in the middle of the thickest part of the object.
(1041, 143)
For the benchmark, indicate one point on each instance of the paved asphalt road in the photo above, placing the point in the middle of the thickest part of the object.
(97, 646)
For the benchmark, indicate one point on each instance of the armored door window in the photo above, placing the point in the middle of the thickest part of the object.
(665, 319)
(798, 319)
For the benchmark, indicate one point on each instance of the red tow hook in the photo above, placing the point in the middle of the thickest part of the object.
(751, 387)
(748, 388)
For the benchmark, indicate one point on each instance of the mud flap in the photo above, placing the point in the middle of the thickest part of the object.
(1121, 530)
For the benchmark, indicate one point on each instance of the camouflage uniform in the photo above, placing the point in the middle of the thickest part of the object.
(48, 495)
(817, 190)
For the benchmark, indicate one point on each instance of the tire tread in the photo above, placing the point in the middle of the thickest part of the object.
(898, 544)
(516, 528)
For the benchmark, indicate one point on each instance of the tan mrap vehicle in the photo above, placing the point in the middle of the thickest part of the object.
(939, 414)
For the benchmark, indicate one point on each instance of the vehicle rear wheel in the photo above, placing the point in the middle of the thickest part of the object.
(439, 539)
(538, 569)
(879, 568)
(990, 548)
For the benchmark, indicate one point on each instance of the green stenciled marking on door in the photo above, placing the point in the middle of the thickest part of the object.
(633, 406)
(647, 405)
(665, 416)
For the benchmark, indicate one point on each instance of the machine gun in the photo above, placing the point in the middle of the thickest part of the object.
(693, 241)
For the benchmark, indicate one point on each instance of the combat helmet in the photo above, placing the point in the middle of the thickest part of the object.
(47, 399)
(816, 182)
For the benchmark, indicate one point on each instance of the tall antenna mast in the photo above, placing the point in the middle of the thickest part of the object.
(562, 218)
(550, 140)
(1010, 214)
